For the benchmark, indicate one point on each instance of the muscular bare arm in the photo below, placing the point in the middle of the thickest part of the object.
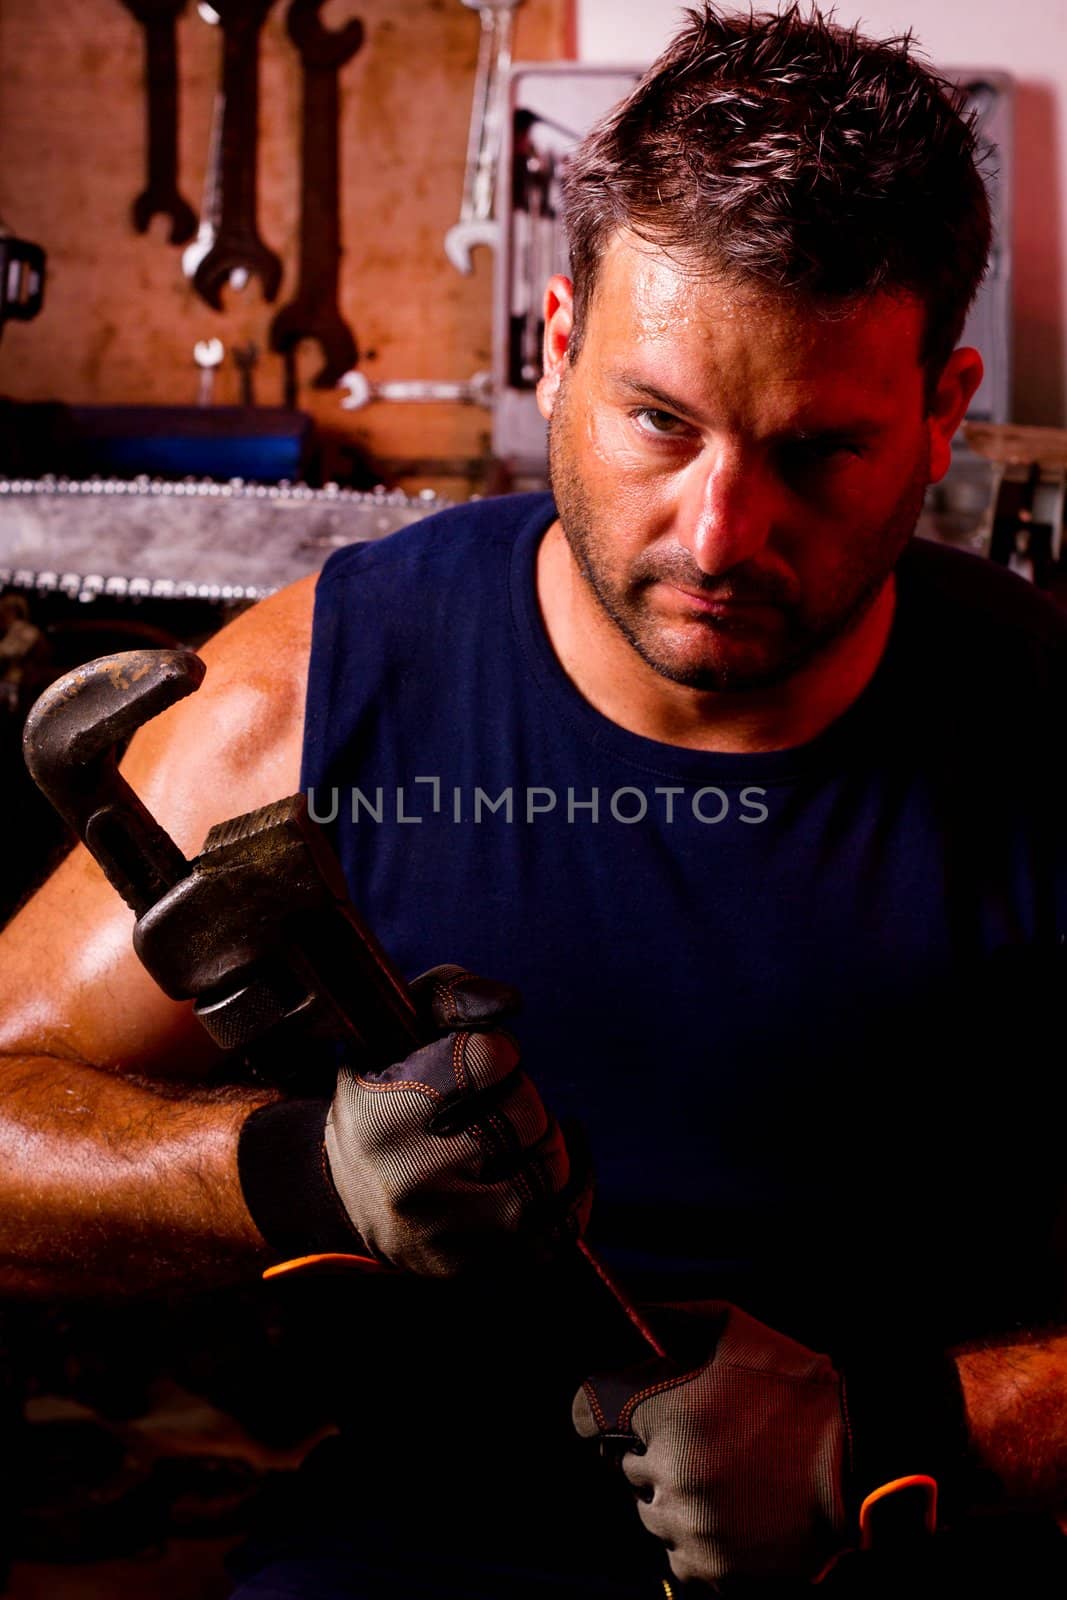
(117, 1162)
(1016, 1399)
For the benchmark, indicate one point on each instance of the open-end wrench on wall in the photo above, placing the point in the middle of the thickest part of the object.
(245, 359)
(313, 312)
(160, 195)
(360, 391)
(536, 245)
(208, 354)
(237, 242)
(476, 224)
(207, 227)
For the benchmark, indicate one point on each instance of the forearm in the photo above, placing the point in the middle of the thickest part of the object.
(1016, 1400)
(107, 1186)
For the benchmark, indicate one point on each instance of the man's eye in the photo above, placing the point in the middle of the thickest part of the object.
(660, 424)
(809, 453)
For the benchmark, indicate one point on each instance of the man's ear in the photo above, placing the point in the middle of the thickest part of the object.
(959, 379)
(559, 321)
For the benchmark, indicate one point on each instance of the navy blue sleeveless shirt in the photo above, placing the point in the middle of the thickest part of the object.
(805, 1003)
(776, 988)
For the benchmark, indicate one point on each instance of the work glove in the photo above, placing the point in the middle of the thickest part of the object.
(748, 1457)
(443, 1163)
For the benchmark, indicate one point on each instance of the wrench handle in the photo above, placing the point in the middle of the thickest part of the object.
(161, 110)
(137, 857)
(320, 224)
(240, 118)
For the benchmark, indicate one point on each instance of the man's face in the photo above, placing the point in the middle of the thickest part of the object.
(735, 475)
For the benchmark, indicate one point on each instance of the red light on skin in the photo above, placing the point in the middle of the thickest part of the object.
(716, 605)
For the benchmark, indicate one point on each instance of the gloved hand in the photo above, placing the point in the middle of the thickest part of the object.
(443, 1163)
(750, 1459)
(449, 1156)
(738, 1458)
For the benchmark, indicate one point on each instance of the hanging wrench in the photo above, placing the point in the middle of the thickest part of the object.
(237, 242)
(160, 194)
(476, 223)
(313, 312)
(245, 357)
(207, 228)
(360, 391)
(208, 354)
(537, 259)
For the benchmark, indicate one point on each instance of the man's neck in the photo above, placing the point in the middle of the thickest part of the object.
(608, 672)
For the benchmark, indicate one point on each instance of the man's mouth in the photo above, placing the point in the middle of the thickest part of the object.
(720, 603)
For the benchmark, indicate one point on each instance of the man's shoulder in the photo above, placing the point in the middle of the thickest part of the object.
(445, 539)
(978, 620)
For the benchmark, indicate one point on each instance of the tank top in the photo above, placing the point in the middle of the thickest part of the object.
(795, 998)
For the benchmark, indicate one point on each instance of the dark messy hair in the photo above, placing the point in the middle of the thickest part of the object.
(793, 154)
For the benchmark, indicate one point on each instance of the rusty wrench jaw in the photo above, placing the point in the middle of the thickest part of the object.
(73, 738)
(257, 929)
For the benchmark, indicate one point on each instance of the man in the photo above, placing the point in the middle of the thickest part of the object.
(753, 801)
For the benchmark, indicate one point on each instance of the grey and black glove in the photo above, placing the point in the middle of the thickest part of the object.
(753, 1458)
(442, 1163)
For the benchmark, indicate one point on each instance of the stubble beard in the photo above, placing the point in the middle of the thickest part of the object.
(805, 628)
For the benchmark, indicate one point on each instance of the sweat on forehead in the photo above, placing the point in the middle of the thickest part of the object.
(677, 325)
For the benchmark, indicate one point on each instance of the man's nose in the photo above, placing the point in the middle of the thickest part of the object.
(729, 509)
